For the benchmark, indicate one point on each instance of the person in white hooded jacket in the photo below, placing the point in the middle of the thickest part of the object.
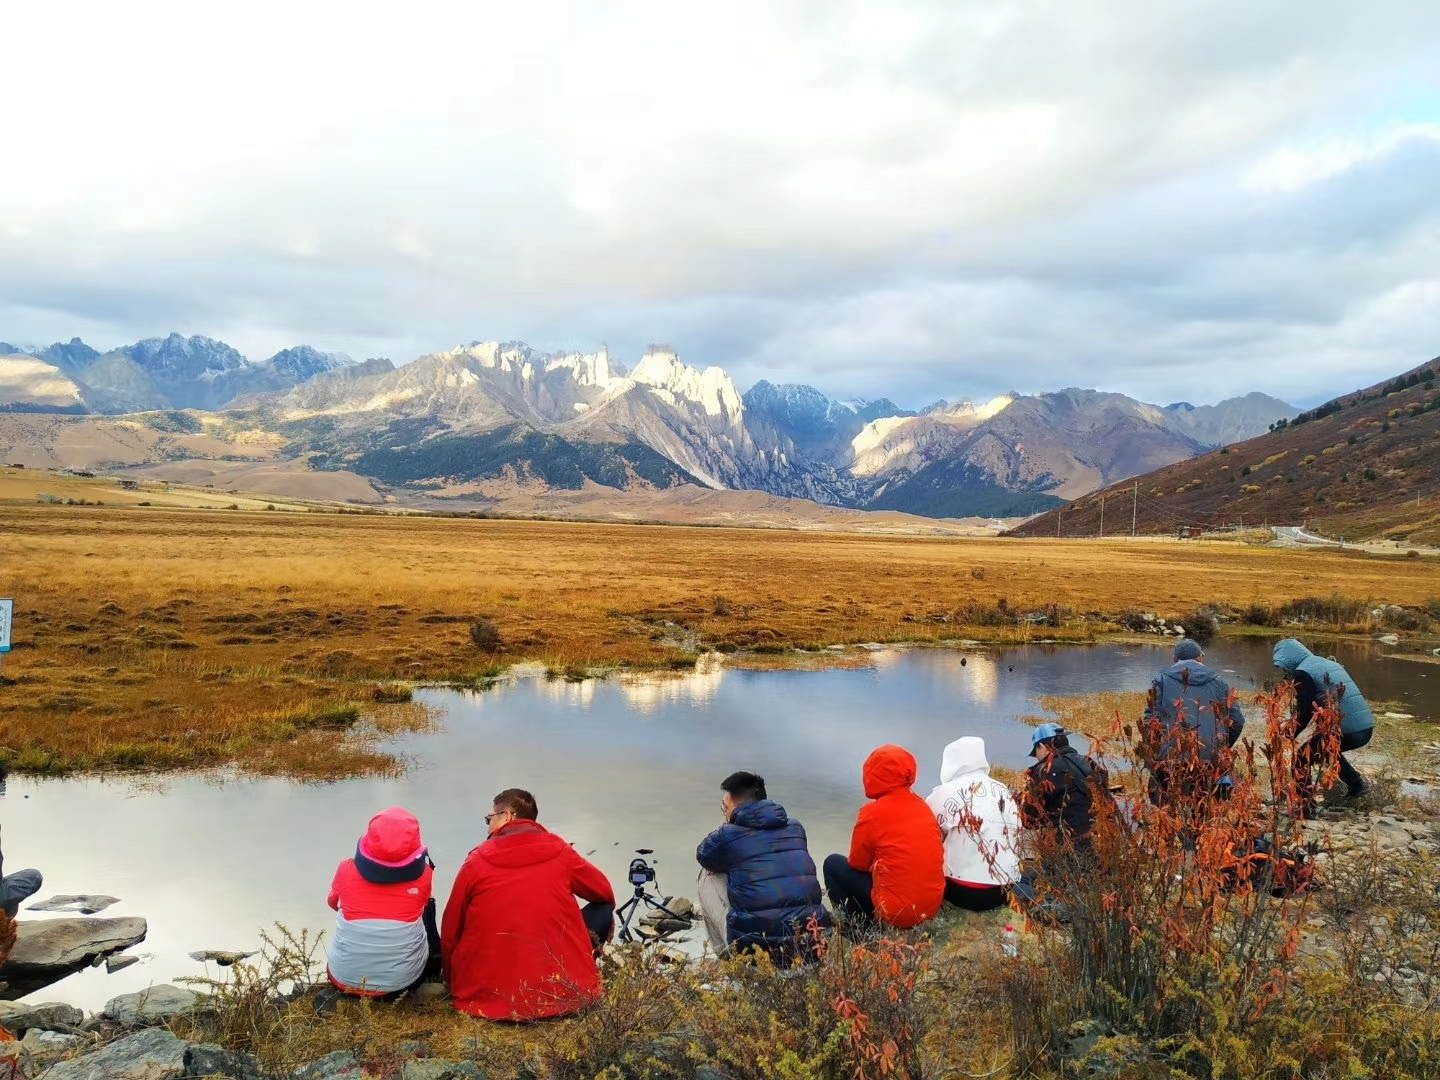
(981, 825)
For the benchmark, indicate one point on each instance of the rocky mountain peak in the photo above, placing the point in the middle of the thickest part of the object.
(666, 375)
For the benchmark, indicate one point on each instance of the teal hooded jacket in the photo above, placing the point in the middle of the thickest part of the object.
(1331, 681)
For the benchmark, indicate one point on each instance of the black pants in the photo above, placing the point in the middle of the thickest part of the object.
(973, 899)
(1309, 755)
(600, 921)
(849, 890)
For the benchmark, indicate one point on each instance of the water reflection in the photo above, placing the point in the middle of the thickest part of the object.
(615, 765)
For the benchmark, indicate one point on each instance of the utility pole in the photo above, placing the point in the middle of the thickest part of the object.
(1134, 508)
(1059, 511)
(1102, 517)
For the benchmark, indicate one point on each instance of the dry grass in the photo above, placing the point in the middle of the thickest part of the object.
(173, 638)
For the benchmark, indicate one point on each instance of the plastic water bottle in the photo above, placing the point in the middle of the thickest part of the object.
(1009, 941)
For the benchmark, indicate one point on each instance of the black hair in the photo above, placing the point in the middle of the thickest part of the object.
(744, 787)
(519, 802)
(1060, 741)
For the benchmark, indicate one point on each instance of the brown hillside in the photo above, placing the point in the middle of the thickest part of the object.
(1361, 466)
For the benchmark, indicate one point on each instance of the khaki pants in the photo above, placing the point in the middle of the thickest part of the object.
(713, 893)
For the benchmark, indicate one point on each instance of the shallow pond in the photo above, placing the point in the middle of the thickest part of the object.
(615, 765)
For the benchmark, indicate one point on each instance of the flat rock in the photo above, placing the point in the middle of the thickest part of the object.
(152, 1054)
(439, 1069)
(203, 1059)
(152, 1004)
(19, 1017)
(341, 1065)
(120, 963)
(84, 904)
(46, 950)
(45, 1046)
(220, 956)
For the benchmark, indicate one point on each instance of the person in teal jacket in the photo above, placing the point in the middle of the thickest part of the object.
(1322, 682)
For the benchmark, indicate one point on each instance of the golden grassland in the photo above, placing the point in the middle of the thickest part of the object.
(153, 636)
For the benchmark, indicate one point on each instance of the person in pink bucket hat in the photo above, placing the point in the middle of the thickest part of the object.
(386, 941)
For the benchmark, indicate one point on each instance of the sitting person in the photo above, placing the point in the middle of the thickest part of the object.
(762, 891)
(896, 868)
(385, 937)
(1322, 683)
(1060, 788)
(1191, 721)
(980, 822)
(514, 943)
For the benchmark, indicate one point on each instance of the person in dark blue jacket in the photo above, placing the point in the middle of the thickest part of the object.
(771, 891)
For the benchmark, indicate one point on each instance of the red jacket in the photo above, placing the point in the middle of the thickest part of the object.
(513, 944)
(897, 840)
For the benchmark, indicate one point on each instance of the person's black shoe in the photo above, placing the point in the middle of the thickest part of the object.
(1359, 791)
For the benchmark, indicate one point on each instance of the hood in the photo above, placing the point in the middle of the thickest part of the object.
(1191, 673)
(521, 843)
(393, 838)
(965, 755)
(890, 768)
(1290, 654)
(762, 814)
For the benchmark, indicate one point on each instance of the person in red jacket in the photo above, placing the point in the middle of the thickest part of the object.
(896, 868)
(514, 944)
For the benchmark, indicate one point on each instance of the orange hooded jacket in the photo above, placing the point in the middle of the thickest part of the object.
(898, 842)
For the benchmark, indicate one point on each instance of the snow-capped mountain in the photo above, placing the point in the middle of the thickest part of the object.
(178, 372)
(506, 412)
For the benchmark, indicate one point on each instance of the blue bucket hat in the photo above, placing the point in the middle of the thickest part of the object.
(1044, 733)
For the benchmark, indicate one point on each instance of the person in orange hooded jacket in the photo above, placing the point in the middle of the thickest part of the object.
(896, 868)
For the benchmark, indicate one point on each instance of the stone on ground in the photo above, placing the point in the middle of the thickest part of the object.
(341, 1065)
(152, 1054)
(18, 1017)
(203, 1059)
(151, 1005)
(439, 1069)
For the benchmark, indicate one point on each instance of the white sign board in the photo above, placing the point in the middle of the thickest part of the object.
(7, 616)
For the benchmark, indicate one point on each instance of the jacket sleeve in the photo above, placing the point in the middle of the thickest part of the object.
(588, 883)
(713, 854)
(334, 898)
(1152, 700)
(1304, 701)
(862, 840)
(452, 925)
(1237, 719)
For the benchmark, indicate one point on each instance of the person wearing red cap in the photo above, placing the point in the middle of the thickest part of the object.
(896, 868)
(385, 936)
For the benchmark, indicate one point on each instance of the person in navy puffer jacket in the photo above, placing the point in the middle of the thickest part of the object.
(771, 889)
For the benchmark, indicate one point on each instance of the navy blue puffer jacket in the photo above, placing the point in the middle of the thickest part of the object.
(772, 884)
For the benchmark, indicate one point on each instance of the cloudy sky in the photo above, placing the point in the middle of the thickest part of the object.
(1185, 199)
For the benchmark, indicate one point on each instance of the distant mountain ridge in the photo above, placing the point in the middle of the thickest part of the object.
(505, 412)
(175, 372)
(1362, 465)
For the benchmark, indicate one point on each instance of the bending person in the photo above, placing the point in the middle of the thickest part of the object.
(1322, 683)
(385, 938)
(762, 890)
(980, 822)
(514, 943)
(896, 868)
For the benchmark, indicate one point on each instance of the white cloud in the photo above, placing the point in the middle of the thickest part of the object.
(1289, 169)
(805, 189)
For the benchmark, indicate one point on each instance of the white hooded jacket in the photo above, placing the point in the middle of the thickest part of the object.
(978, 816)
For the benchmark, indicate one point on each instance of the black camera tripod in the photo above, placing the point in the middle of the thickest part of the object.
(640, 875)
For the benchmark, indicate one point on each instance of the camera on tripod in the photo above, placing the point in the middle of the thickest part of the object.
(641, 875)
(641, 872)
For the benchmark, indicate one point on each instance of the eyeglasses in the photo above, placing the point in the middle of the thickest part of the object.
(498, 813)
